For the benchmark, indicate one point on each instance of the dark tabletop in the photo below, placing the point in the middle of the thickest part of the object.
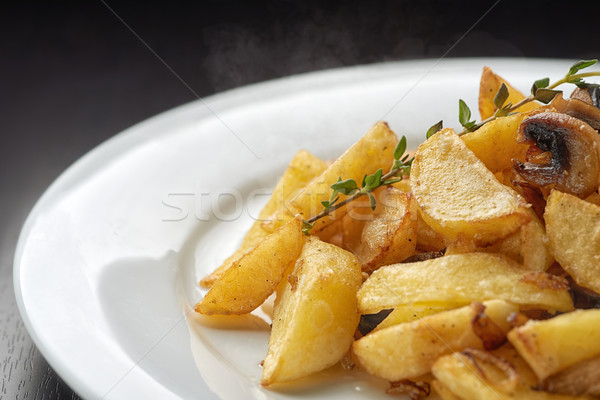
(71, 76)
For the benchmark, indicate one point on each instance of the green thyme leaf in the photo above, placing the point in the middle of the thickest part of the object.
(373, 201)
(400, 148)
(579, 65)
(326, 205)
(464, 112)
(539, 84)
(546, 95)
(587, 85)
(346, 187)
(504, 111)
(434, 129)
(501, 96)
(390, 181)
(306, 227)
(372, 182)
(574, 80)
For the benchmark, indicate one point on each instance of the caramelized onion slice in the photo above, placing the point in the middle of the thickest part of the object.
(574, 165)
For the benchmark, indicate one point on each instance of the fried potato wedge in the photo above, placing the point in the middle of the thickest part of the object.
(552, 345)
(488, 88)
(373, 151)
(409, 350)
(578, 379)
(459, 196)
(303, 168)
(427, 238)
(573, 229)
(461, 279)
(473, 375)
(249, 281)
(315, 314)
(443, 391)
(528, 246)
(495, 143)
(388, 234)
(410, 313)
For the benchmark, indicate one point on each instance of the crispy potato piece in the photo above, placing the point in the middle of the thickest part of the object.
(578, 379)
(460, 279)
(443, 391)
(593, 198)
(552, 345)
(403, 185)
(459, 196)
(527, 246)
(303, 168)
(388, 234)
(495, 143)
(573, 229)
(470, 376)
(493, 377)
(373, 151)
(250, 280)
(409, 350)
(488, 87)
(410, 313)
(315, 315)
(427, 238)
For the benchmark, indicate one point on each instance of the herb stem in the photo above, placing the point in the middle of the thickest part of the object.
(569, 78)
(363, 192)
(530, 98)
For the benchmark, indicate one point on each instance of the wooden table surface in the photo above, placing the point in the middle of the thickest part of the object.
(74, 75)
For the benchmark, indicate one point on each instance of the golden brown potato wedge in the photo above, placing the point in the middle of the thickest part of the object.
(410, 313)
(576, 380)
(315, 314)
(552, 345)
(495, 143)
(488, 87)
(473, 375)
(373, 151)
(528, 246)
(427, 238)
(409, 350)
(573, 229)
(303, 168)
(461, 279)
(249, 281)
(459, 196)
(388, 234)
(593, 198)
(443, 391)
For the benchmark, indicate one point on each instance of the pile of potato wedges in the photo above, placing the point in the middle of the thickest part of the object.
(475, 277)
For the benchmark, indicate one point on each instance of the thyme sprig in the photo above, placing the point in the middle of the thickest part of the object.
(541, 91)
(350, 188)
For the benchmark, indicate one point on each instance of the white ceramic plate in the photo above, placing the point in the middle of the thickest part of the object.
(108, 261)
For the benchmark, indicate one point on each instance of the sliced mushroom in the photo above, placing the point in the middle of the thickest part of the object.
(579, 107)
(589, 95)
(566, 155)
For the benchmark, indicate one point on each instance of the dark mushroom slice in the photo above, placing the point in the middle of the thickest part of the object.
(565, 154)
(579, 108)
(589, 95)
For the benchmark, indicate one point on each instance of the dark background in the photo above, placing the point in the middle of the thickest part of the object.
(73, 75)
